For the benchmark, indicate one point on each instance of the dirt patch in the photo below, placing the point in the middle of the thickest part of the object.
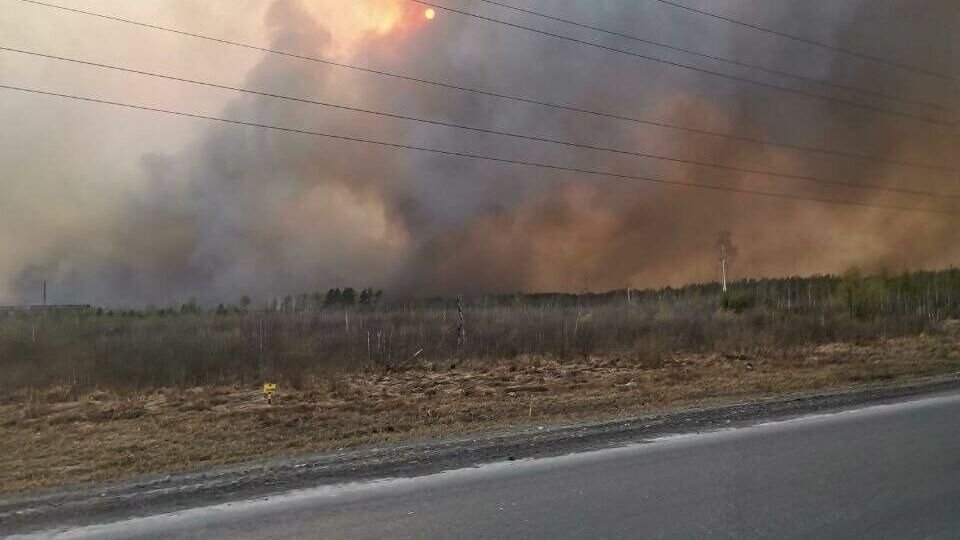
(56, 438)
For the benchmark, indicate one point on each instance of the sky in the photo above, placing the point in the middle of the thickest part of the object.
(114, 206)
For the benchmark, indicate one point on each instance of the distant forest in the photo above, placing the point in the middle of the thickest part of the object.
(931, 293)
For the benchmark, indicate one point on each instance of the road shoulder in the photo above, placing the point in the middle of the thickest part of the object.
(158, 494)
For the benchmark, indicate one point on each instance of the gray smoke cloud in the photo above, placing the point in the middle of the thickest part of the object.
(247, 211)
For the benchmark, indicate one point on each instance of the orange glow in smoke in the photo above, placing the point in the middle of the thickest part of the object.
(352, 22)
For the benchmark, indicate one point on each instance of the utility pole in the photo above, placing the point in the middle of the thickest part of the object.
(43, 293)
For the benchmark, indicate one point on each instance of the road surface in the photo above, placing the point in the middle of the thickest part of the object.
(889, 471)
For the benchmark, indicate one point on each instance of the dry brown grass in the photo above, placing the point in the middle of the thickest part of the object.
(58, 437)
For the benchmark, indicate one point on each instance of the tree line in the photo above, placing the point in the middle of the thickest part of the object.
(934, 294)
(333, 298)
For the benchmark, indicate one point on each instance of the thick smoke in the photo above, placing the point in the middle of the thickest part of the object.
(248, 211)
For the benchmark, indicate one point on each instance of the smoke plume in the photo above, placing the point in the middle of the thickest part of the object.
(243, 211)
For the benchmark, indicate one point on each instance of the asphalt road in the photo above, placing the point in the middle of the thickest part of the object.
(890, 471)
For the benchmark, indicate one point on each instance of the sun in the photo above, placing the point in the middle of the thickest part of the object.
(430, 14)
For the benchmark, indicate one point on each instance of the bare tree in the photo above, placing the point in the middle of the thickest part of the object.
(728, 252)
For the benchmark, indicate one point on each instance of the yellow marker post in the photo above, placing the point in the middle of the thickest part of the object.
(269, 389)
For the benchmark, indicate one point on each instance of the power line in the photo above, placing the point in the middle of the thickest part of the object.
(738, 63)
(813, 179)
(807, 41)
(777, 87)
(532, 164)
(517, 99)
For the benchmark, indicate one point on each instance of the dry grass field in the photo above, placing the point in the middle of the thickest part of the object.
(99, 395)
(57, 436)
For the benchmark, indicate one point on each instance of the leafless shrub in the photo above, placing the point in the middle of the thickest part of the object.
(67, 354)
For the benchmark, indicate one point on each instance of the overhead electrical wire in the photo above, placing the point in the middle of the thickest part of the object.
(680, 65)
(457, 154)
(745, 170)
(518, 99)
(820, 44)
(730, 61)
